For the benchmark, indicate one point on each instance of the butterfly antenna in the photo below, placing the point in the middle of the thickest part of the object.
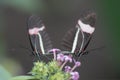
(98, 48)
(90, 50)
(23, 47)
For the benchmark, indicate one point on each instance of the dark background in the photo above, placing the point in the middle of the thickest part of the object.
(59, 16)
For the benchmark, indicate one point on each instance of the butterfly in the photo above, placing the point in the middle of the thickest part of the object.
(75, 41)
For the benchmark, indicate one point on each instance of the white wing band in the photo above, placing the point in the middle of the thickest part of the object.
(41, 44)
(86, 27)
(75, 40)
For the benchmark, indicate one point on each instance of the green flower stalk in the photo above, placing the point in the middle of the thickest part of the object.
(49, 71)
(40, 70)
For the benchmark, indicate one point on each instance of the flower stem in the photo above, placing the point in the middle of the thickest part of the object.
(54, 53)
(73, 68)
(63, 65)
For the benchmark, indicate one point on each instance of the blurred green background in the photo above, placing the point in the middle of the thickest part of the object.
(59, 16)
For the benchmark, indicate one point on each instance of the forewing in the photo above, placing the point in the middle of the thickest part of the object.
(90, 19)
(36, 22)
(69, 38)
(77, 40)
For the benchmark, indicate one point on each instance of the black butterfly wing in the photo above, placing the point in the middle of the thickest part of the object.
(77, 40)
(36, 22)
(69, 40)
(89, 19)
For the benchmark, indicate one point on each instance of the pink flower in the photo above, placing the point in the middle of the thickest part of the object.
(68, 58)
(86, 27)
(74, 75)
(54, 50)
(60, 57)
(77, 63)
(35, 30)
(67, 68)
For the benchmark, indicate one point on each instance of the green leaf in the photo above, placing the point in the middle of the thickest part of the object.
(22, 78)
(4, 75)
